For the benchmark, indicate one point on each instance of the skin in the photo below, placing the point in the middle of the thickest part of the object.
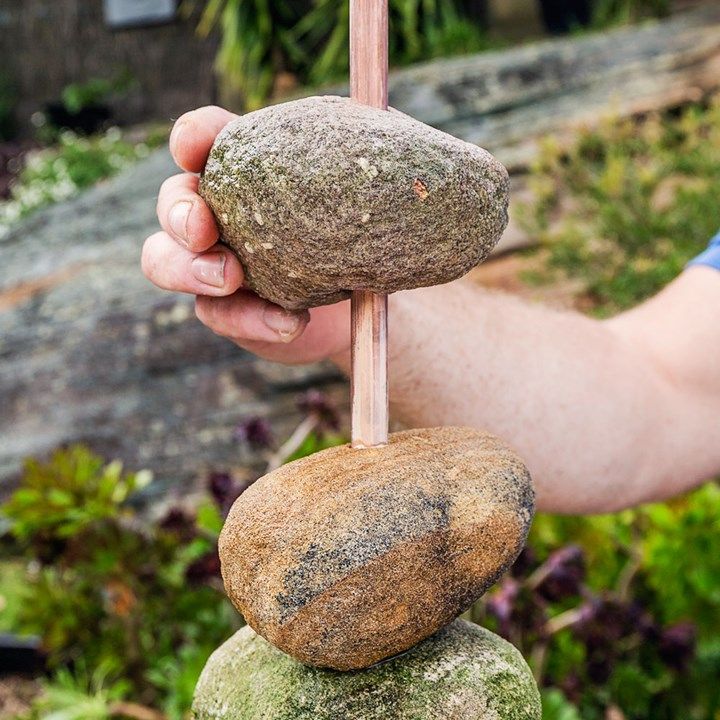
(606, 414)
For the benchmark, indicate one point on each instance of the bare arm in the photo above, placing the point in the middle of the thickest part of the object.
(606, 414)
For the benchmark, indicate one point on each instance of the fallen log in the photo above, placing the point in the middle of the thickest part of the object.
(91, 352)
(506, 101)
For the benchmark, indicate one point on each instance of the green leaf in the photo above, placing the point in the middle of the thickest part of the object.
(555, 706)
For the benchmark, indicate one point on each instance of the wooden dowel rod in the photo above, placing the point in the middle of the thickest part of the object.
(369, 311)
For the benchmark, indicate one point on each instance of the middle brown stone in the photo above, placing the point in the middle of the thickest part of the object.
(350, 556)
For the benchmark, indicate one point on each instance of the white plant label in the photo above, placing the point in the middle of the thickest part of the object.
(129, 13)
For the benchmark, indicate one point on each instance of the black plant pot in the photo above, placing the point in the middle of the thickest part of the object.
(562, 16)
(86, 121)
(21, 656)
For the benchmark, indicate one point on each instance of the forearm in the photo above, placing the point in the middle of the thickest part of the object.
(578, 400)
(605, 414)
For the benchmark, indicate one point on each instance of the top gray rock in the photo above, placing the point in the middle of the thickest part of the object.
(323, 195)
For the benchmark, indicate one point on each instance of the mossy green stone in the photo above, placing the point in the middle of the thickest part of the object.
(463, 672)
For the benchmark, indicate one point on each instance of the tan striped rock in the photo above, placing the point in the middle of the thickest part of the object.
(350, 556)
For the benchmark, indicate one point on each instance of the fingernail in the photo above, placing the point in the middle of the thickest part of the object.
(284, 322)
(178, 218)
(174, 134)
(209, 269)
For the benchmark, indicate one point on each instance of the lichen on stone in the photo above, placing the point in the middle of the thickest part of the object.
(464, 672)
(350, 197)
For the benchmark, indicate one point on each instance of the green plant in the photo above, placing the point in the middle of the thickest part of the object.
(628, 203)
(12, 586)
(419, 30)
(96, 91)
(127, 608)
(110, 590)
(71, 492)
(78, 695)
(620, 611)
(309, 39)
(59, 172)
(557, 707)
(607, 13)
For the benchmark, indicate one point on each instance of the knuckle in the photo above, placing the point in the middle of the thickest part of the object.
(146, 260)
(169, 184)
(202, 310)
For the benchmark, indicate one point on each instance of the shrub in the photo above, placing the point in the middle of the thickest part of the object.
(59, 172)
(128, 608)
(310, 39)
(620, 611)
(626, 205)
(95, 91)
(138, 602)
(607, 13)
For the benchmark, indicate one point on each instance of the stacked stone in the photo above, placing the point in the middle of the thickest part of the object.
(351, 566)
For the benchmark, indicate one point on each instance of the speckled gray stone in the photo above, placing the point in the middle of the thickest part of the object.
(323, 195)
(464, 672)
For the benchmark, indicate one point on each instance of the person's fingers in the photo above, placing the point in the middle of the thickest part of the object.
(216, 272)
(194, 133)
(265, 329)
(244, 317)
(184, 215)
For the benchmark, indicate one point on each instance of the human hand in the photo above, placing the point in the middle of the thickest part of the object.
(185, 256)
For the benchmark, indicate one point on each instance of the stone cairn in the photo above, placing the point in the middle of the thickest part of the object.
(351, 566)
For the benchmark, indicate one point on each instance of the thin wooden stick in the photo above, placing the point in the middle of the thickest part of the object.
(369, 385)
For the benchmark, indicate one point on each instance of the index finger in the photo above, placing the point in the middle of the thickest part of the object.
(193, 134)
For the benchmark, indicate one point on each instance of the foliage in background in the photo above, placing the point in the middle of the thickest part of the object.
(616, 612)
(79, 695)
(95, 91)
(12, 582)
(57, 173)
(128, 607)
(135, 605)
(625, 206)
(309, 39)
(607, 13)
(619, 612)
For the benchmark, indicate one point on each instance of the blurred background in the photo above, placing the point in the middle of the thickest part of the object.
(127, 429)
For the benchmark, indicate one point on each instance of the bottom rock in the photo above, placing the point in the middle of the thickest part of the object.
(463, 672)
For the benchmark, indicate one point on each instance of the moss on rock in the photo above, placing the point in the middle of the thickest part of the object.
(463, 672)
(322, 196)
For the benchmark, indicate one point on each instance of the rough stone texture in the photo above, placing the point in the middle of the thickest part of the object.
(350, 556)
(464, 672)
(323, 195)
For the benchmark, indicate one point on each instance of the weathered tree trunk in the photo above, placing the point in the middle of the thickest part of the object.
(506, 100)
(90, 351)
